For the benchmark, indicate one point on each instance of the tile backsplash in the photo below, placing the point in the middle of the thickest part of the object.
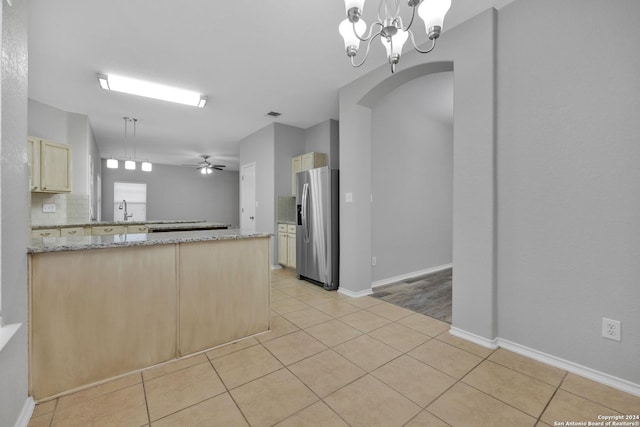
(286, 210)
(69, 209)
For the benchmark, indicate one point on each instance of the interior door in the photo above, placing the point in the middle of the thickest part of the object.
(248, 196)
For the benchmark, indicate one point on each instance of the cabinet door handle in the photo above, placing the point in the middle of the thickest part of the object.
(72, 232)
(44, 234)
(108, 229)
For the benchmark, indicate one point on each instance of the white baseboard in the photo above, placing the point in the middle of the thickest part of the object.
(352, 294)
(409, 275)
(276, 267)
(549, 359)
(476, 339)
(25, 414)
(575, 368)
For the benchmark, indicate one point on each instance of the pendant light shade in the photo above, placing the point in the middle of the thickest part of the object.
(432, 13)
(351, 40)
(112, 163)
(130, 165)
(146, 166)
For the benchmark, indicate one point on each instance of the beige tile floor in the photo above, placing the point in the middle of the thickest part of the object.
(331, 360)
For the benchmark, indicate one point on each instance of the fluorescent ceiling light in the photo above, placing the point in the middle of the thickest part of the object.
(151, 90)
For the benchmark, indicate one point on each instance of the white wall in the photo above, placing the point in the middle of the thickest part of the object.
(412, 184)
(323, 138)
(177, 192)
(14, 211)
(569, 180)
(259, 148)
(289, 143)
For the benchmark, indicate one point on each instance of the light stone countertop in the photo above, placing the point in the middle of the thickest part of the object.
(107, 223)
(61, 244)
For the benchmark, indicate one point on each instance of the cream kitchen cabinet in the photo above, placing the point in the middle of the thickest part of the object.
(135, 229)
(287, 245)
(50, 166)
(282, 244)
(291, 246)
(305, 162)
(46, 232)
(107, 230)
(73, 232)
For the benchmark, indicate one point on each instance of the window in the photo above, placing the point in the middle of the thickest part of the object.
(130, 199)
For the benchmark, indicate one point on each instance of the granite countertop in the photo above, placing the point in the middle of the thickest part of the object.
(107, 223)
(60, 244)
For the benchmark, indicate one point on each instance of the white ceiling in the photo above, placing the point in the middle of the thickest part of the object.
(248, 57)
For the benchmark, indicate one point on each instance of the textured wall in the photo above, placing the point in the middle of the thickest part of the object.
(14, 208)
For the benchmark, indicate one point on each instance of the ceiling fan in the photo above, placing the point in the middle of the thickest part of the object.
(205, 166)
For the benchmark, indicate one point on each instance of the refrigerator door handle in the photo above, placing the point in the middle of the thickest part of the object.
(305, 212)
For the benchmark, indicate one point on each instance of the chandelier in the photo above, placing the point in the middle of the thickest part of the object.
(393, 34)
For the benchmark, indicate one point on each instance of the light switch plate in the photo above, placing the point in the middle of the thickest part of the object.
(49, 207)
(348, 197)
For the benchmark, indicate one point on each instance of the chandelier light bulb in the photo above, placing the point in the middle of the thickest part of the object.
(351, 40)
(350, 4)
(432, 13)
(394, 49)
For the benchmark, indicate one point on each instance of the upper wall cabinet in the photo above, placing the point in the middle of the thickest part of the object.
(50, 166)
(305, 162)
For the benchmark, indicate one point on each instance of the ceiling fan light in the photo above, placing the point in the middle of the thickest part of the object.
(147, 89)
(112, 163)
(130, 165)
(146, 166)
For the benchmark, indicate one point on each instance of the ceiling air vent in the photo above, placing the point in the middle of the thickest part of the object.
(273, 114)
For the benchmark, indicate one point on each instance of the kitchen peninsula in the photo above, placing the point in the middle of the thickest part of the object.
(103, 306)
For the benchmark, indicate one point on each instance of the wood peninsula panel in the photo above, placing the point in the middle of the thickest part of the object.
(99, 313)
(224, 291)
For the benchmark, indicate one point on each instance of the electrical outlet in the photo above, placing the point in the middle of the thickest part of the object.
(49, 207)
(373, 260)
(611, 329)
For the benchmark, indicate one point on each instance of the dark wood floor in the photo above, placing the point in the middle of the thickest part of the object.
(429, 294)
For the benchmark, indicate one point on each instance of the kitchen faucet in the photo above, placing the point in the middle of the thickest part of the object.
(126, 215)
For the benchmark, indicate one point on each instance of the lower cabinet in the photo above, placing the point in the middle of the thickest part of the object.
(291, 246)
(110, 229)
(46, 232)
(287, 245)
(73, 231)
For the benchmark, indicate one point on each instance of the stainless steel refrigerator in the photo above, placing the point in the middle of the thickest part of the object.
(317, 232)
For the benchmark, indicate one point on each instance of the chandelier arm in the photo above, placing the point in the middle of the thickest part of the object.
(413, 15)
(413, 41)
(369, 36)
(366, 54)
